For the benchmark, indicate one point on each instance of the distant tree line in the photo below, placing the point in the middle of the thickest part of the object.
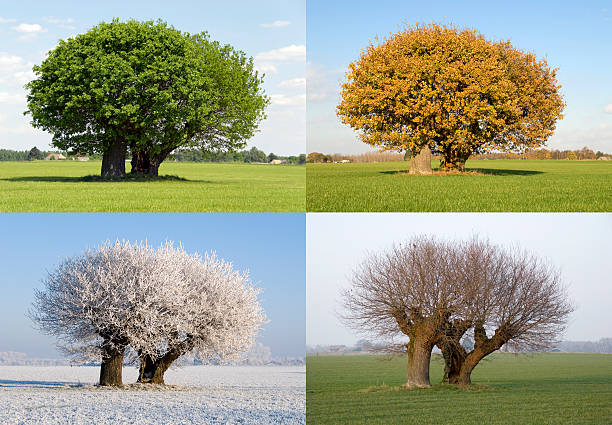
(541, 154)
(252, 155)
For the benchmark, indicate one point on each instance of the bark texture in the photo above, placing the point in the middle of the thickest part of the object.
(454, 160)
(421, 162)
(113, 160)
(145, 163)
(152, 371)
(419, 356)
(111, 368)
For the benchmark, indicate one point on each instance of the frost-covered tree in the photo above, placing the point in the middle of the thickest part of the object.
(212, 312)
(131, 298)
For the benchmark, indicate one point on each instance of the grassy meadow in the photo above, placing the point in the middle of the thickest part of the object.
(63, 186)
(504, 185)
(547, 388)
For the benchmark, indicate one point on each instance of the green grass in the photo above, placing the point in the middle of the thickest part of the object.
(552, 388)
(197, 187)
(507, 185)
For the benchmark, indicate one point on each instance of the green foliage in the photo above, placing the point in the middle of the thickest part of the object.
(11, 155)
(508, 389)
(64, 186)
(34, 154)
(507, 185)
(146, 86)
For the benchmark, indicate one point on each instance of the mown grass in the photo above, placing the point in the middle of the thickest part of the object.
(60, 186)
(551, 388)
(506, 185)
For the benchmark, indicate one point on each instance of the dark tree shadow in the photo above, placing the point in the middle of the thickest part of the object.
(99, 179)
(484, 171)
(39, 384)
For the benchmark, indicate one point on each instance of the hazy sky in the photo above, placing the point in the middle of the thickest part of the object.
(273, 32)
(578, 244)
(271, 246)
(573, 36)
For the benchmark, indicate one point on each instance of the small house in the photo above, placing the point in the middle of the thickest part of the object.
(54, 156)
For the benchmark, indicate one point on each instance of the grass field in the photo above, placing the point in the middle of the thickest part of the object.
(507, 185)
(552, 388)
(59, 186)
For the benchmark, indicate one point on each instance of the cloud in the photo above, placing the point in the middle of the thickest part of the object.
(11, 99)
(63, 23)
(276, 24)
(10, 62)
(6, 20)
(284, 100)
(294, 83)
(292, 52)
(24, 77)
(608, 108)
(29, 28)
(266, 67)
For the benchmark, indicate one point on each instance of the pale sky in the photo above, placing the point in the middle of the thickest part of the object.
(272, 32)
(573, 36)
(578, 244)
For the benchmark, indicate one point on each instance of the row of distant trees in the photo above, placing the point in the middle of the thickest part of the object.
(250, 155)
(183, 155)
(542, 154)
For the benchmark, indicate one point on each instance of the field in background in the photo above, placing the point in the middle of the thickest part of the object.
(552, 388)
(200, 394)
(508, 185)
(59, 186)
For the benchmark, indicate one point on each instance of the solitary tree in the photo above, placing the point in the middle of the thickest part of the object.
(439, 89)
(153, 304)
(146, 87)
(435, 293)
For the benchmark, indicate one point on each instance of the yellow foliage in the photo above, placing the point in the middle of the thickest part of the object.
(451, 89)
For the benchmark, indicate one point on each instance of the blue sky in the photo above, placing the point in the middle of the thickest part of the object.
(579, 245)
(574, 36)
(270, 246)
(273, 32)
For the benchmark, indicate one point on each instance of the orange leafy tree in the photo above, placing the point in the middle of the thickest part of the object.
(451, 91)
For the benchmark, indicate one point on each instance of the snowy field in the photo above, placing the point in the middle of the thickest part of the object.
(198, 395)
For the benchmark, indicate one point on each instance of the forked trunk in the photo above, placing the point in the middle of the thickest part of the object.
(113, 160)
(453, 360)
(421, 162)
(152, 371)
(111, 368)
(454, 161)
(145, 164)
(419, 356)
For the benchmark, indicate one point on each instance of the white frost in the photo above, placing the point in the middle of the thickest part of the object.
(199, 395)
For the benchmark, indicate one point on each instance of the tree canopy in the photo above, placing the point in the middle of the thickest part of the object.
(146, 87)
(452, 92)
(155, 305)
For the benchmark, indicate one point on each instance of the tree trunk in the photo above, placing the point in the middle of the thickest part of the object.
(111, 368)
(152, 371)
(454, 161)
(113, 160)
(144, 164)
(421, 162)
(453, 361)
(465, 373)
(419, 356)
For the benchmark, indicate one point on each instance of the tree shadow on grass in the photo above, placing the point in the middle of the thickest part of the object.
(100, 179)
(39, 384)
(473, 171)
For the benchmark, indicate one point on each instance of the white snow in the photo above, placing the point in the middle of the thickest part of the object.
(198, 395)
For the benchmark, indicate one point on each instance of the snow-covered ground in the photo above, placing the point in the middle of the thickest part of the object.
(198, 395)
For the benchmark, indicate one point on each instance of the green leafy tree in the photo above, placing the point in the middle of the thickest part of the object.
(146, 87)
(34, 153)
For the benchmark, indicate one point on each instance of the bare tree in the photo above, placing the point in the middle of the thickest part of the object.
(154, 304)
(435, 292)
(409, 291)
